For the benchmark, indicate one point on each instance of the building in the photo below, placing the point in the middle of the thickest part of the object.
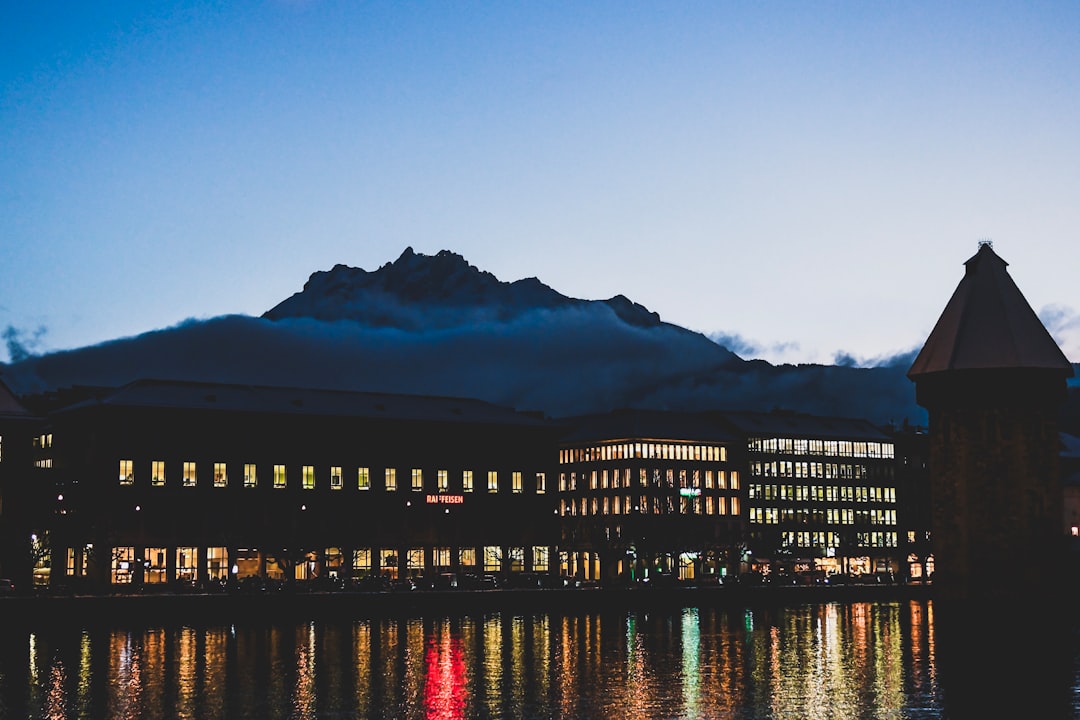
(821, 494)
(649, 495)
(161, 482)
(22, 492)
(993, 381)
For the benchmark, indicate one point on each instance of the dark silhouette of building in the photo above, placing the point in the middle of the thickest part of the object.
(161, 482)
(993, 381)
(21, 489)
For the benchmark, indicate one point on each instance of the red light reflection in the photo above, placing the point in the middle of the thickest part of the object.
(445, 681)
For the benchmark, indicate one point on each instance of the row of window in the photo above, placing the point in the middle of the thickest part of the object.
(653, 450)
(822, 493)
(162, 565)
(189, 477)
(830, 516)
(650, 505)
(832, 448)
(670, 478)
(788, 468)
(829, 540)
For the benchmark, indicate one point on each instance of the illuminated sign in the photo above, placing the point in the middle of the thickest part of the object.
(689, 492)
(445, 499)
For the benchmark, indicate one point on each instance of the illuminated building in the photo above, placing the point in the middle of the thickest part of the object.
(821, 494)
(648, 493)
(158, 482)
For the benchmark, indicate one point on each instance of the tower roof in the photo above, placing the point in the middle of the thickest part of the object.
(988, 325)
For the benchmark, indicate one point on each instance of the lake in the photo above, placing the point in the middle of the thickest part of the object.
(827, 660)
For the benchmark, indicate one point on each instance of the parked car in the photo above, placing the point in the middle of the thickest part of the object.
(7, 587)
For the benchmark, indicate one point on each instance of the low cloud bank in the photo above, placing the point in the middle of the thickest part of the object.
(561, 361)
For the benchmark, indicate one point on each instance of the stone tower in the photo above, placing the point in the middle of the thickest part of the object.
(993, 382)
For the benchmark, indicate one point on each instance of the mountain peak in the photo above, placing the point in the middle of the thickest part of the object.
(419, 291)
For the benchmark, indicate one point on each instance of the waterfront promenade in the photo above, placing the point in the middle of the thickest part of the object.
(34, 610)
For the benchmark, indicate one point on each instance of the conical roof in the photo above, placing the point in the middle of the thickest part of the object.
(988, 324)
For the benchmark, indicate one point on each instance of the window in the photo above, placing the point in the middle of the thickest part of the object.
(391, 479)
(443, 478)
(363, 479)
(221, 477)
(467, 557)
(157, 473)
(361, 562)
(307, 477)
(541, 483)
(123, 565)
(492, 558)
(186, 563)
(189, 474)
(127, 477)
(154, 571)
(467, 481)
(493, 481)
(251, 478)
(217, 563)
(335, 478)
(417, 480)
(279, 476)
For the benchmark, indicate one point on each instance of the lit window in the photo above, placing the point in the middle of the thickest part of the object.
(493, 481)
(251, 478)
(335, 478)
(189, 474)
(279, 476)
(186, 563)
(221, 477)
(515, 482)
(467, 557)
(127, 477)
(417, 480)
(443, 480)
(308, 477)
(363, 479)
(467, 481)
(391, 479)
(361, 561)
(217, 563)
(123, 565)
(157, 473)
(541, 483)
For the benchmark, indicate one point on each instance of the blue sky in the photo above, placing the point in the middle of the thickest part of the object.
(804, 178)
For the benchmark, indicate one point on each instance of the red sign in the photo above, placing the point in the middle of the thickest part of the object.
(445, 499)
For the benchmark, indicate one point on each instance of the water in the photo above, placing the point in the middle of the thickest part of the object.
(829, 661)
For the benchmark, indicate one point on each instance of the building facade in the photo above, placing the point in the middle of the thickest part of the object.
(647, 496)
(159, 483)
(821, 495)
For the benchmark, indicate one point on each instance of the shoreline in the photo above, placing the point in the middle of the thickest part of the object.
(124, 610)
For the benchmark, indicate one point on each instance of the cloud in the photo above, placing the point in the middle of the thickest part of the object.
(902, 359)
(1063, 324)
(22, 344)
(562, 361)
(749, 349)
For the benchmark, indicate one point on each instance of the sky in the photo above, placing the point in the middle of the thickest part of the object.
(801, 181)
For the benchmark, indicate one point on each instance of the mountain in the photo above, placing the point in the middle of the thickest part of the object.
(437, 325)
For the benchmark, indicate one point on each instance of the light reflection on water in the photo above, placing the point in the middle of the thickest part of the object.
(822, 662)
